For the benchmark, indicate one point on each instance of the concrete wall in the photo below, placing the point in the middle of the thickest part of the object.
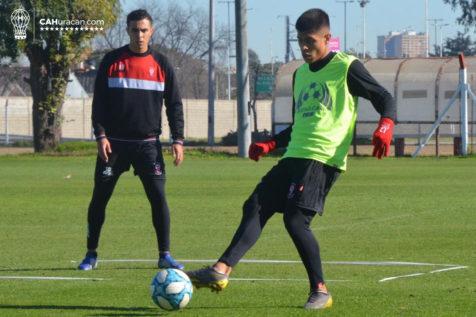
(77, 118)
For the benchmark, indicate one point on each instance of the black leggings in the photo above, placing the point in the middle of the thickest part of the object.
(155, 190)
(296, 220)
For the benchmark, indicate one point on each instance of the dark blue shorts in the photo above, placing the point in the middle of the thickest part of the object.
(297, 182)
(145, 156)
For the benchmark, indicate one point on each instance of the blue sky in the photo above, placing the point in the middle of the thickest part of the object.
(266, 25)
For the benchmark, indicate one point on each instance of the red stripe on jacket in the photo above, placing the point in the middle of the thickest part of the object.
(136, 67)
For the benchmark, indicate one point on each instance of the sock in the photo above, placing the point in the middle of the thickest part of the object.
(321, 288)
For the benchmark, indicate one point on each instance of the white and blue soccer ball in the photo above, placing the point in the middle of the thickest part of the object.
(171, 289)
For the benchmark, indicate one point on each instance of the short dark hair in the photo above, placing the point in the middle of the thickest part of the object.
(312, 20)
(138, 15)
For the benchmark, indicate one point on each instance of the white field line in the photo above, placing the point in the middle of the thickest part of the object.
(400, 276)
(419, 274)
(448, 267)
(52, 278)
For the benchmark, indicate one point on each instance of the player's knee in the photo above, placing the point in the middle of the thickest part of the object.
(291, 222)
(247, 207)
(297, 219)
(155, 190)
(251, 205)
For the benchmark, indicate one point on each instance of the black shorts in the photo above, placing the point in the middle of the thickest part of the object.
(145, 156)
(297, 182)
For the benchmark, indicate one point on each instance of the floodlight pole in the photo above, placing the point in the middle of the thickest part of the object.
(363, 3)
(242, 79)
(345, 2)
(7, 134)
(288, 41)
(427, 30)
(211, 77)
(228, 48)
(441, 38)
(463, 78)
(435, 23)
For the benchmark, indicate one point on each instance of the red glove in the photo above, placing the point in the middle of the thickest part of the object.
(257, 150)
(382, 138)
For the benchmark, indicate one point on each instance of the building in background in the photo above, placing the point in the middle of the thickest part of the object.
(401, 45)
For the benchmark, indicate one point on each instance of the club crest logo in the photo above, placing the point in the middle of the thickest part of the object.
(312, 98)
(151, 71)
(107, 171)
(157, 169)
(20, 20)
(291, 190)
(295, 189)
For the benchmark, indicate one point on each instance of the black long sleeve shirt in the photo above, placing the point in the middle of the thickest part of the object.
(129, 92)
(361, 84)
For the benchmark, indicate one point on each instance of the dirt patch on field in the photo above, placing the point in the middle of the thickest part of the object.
(15, 150)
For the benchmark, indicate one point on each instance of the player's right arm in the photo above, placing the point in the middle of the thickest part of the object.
(259, 149)
(99, 112)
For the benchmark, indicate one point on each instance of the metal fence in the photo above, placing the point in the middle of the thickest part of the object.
(421, 87)
(16, 119)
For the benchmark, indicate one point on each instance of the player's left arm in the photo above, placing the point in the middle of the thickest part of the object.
(174, 111)
(362, 84)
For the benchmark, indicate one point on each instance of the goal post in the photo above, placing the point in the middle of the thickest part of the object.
(462, 92)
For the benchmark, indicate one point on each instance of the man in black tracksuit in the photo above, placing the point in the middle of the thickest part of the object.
(131, 85)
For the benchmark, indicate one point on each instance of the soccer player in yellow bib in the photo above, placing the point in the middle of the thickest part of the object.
(325, 92)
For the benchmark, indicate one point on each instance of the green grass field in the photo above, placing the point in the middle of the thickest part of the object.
(395, 210)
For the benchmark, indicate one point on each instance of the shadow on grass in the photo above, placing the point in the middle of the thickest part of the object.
(245, 308)
(114, 311)
(122, 311)
(222, 310)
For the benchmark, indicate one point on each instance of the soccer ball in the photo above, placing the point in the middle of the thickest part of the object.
(171, 289)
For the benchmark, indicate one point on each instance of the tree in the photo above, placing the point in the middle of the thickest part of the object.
(181, 33)
(114, 37)
(51, 54)
(254, 65)
(461, 43)
(468, 8)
